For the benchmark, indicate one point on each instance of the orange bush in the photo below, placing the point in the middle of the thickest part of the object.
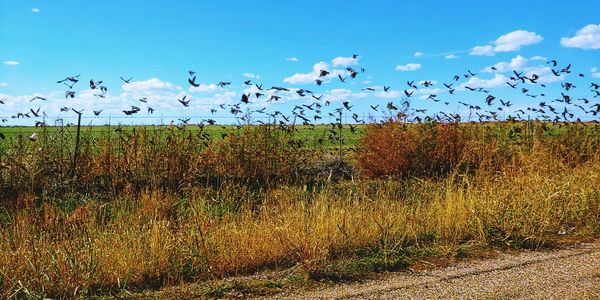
(397, 149)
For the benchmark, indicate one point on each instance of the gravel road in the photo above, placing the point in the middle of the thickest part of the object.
(572, 273)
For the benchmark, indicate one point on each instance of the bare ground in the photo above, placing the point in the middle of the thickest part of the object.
(572, 273)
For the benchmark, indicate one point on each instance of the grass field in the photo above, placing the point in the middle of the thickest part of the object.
(152, 207)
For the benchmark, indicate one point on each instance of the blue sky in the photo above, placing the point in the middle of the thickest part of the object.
(279, 44)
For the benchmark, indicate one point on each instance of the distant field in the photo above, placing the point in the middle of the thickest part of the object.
(308, 133)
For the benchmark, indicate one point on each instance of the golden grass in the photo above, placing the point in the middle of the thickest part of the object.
(156, 240)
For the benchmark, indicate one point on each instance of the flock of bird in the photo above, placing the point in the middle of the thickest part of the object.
(312, 111)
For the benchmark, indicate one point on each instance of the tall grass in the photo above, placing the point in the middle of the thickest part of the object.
(149, 211)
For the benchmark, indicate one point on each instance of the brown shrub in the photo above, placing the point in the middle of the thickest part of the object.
(397, 149)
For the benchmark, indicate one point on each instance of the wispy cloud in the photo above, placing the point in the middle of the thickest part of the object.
(304, 78)
(587, 37)
(483, 51)
(151, 84)
(251, 75)
(3, 84)
(408, 67)
(35, 10)
(11, 62)
(344, 61)
(595, 72)
(520, 63)
(202, 88)
(450, 56)
(476, 82)
(418, 54)
(512, 41)
(292, 59)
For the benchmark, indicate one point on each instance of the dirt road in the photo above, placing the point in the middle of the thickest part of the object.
(572, 273)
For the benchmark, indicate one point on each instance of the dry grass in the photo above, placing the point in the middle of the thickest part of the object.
(156, 240)
(166, 220)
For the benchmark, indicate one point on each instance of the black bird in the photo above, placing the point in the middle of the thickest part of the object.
(407, 93)
(347, 105)
(245, 99)
(126, 80)
(37, 98)
(248, 82)
(97, 112)
(319, 81)
(36, 113)
(566, 69)
(374, 107)
(279, 89)
(323, 73)
(553, 62)
(144, 100)
(341, 79)
(222, 84)
(192, 81)
(72, 79)
(95, 84)
(69, 94)
(184, 102)
(386, 88)
(2, 100)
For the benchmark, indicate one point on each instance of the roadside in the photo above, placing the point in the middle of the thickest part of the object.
(572, 273)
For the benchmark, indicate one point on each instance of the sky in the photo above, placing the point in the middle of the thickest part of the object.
(284, 43)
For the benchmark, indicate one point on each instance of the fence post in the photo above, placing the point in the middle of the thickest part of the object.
(341, 137)
(77, 140)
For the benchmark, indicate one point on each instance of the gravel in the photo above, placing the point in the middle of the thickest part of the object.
(572, 273)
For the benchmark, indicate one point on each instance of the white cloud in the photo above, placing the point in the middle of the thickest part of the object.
(522, 64)
(482, 50)
(344, 61)
(517, 63)
(595, 72)
(204, 88)
(418, 54)
(3, 84)
(408, 67)
(11, 62)
(251, 75)
(35, 10)
(292, 59)
(512, 41)
(476, 82)
(587, 37)
(450, 56)
(152, 84)
(342, 95)
(304, 78)
(537, 57)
